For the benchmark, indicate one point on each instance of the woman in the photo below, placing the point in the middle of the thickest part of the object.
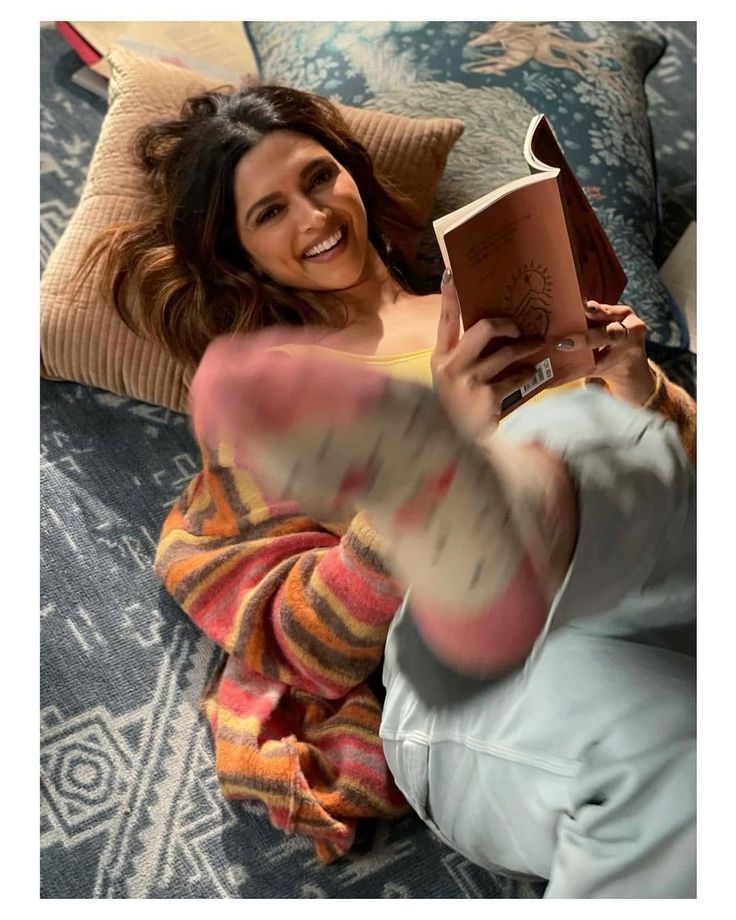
(270, 215)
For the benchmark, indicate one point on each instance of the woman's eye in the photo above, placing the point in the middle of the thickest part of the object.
(267, 215)
(323, 176)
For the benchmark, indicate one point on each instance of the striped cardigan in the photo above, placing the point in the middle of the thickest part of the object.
(301, 608)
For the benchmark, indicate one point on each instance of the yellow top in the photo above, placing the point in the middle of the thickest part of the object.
(413, 365)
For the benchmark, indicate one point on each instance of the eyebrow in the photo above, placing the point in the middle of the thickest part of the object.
(274, 196)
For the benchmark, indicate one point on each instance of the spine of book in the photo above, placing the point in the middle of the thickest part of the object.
(86, 52)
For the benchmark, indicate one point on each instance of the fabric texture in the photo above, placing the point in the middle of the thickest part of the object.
(676, 404)
(587, 77)
(672, 89)
(82, 337)
(605, 808)
(302, 610)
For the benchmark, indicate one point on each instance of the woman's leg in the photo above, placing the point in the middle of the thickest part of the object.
(580, 766)
(579, 769)
(484, 536)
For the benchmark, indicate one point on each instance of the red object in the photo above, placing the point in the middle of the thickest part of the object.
(86, 52)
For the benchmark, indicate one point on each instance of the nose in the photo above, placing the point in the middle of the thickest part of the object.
(310, 213)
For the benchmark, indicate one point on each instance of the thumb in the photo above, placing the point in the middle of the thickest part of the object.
(448, 328)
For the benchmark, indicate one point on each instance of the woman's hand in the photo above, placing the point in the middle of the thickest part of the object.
(472, 389)
(617, 336)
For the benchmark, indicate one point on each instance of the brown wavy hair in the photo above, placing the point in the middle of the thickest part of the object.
(182, 276)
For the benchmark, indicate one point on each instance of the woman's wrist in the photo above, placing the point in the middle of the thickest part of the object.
(638, 386)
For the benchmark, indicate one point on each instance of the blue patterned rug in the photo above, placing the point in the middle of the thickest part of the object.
(130, 806)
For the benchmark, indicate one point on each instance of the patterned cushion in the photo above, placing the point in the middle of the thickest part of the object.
(82, 337)
(587, 77)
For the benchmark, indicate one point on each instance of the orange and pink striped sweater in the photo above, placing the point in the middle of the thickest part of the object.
(301, 608)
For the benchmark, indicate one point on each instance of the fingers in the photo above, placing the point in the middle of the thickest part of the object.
(597, 337)
(602, 313)
(480, 335)
(506, 386)
(465, 351)
(448, 328)
(495, 364)
(612, 334)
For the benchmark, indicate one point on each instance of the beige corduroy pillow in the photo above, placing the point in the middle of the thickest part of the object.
(82, 338)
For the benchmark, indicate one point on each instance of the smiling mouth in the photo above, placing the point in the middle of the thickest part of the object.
(328, 247)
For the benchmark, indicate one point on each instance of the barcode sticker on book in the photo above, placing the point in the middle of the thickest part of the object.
(542, 373)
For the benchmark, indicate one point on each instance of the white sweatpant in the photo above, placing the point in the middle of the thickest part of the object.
(580, 767)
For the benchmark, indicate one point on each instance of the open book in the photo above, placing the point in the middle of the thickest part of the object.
(533, 250)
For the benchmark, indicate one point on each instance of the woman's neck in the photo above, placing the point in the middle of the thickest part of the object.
(382, 317)
(375, 291)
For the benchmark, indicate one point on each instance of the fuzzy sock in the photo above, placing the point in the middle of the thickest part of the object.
(474, 531)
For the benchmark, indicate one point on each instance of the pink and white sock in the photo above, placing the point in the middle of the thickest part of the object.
(476, 532)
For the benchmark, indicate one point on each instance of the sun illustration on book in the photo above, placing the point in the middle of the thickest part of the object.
(529, 296)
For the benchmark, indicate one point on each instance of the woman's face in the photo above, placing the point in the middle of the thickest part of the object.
(300, 216)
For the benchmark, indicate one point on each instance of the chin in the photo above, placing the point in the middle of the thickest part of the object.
(336, 277)
(345, 280)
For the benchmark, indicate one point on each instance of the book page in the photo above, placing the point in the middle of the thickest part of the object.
(445, 223)
(514, 259)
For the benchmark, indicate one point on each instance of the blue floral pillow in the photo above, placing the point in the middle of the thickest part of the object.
(587, 77)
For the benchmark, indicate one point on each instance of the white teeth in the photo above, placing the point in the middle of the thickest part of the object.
(326, 244)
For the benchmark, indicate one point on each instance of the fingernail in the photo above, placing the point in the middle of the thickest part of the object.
(591, 306)
(565, 344)
(446, 276)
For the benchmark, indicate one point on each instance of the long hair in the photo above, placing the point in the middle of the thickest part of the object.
(182, 276)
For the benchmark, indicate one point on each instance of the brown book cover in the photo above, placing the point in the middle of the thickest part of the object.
(533, 250)
(600, 274)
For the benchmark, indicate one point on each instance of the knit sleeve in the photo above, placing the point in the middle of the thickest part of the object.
(676, 404)
(292, 598)
(669, 400)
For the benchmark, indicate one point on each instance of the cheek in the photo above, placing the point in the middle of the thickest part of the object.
(347, 191)
(266, 251)
(360, 207)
